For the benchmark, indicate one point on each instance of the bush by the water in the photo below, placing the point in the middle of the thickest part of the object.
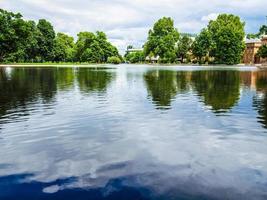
(114, 60)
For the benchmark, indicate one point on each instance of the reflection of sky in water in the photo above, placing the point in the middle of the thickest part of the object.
(113, 137)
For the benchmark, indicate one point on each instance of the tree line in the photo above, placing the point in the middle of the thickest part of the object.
(221, 42)
(27, 41)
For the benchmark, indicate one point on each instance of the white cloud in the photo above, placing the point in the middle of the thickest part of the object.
(128, 21)
(211, 16)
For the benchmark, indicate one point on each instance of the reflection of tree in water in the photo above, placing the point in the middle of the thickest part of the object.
(260, 100)
(219, 89)
(94, 80)
(163, 86)
(65, 78)
(19, 87)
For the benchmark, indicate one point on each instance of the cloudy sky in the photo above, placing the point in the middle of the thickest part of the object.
(128, 21)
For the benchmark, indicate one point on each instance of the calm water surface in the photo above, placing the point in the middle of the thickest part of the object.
(133, 132)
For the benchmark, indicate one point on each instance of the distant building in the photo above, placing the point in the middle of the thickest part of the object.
(133, 50)
(153, 59)
(252, 47)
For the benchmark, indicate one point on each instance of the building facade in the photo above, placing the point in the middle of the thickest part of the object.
(252, 47)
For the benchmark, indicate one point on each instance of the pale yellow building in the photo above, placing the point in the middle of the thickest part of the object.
(252, 47)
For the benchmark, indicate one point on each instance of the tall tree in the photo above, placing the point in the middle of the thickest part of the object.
(184, 46)
(228, 34)
(31, 47)
(263, 51)
(162, 40)
(63, 48)
(202, 44)
(14, 35)
(45, 38)
(94, 48)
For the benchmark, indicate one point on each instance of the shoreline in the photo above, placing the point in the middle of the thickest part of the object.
(259, 66)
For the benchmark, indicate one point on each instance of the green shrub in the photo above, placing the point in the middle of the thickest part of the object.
(114, 60)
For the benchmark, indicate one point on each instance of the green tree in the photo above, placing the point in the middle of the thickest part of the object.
(228, 34)
(263, 30)
(114, 60)
(63, 48)
(31, 46)
(202, 44)
(14, 36)
(184, 46)
(252, 36)
(162, 40)
(263, 51)
(135, 57)
(107, 49)
(45, 38)
(94, 48)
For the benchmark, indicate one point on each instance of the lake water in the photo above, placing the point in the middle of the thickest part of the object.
(132, 133)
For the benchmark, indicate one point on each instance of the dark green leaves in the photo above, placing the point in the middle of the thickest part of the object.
(162, 40)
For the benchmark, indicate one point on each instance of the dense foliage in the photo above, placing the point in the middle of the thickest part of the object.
(223, 40)
(64, 48)
(202, 45)
(183, 47)
(263, 51)
(135, 57)
(94, 48)
(26, 41)
(162, 40)
(227, 34)
(114, 60)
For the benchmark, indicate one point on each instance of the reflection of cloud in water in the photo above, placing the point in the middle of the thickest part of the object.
(195, 161)
(126, 145)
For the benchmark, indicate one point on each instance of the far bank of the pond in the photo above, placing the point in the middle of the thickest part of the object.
(125, 65)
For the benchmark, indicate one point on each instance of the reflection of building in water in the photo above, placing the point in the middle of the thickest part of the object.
(252, 47)
(249, 79)
(254, 80)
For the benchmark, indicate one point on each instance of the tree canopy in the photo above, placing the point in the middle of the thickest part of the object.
(263, 51)
(15, 36)
(26, 41)
(135, 57)
(162, 40)
(202, 45)
(64, 48)
(227, 34)
(94, 48)
(223, 40)
(183, 47)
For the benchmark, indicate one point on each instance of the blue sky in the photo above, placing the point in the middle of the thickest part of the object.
(128, 21)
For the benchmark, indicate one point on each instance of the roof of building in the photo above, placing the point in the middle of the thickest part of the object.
(134, 50)
(249, 41)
